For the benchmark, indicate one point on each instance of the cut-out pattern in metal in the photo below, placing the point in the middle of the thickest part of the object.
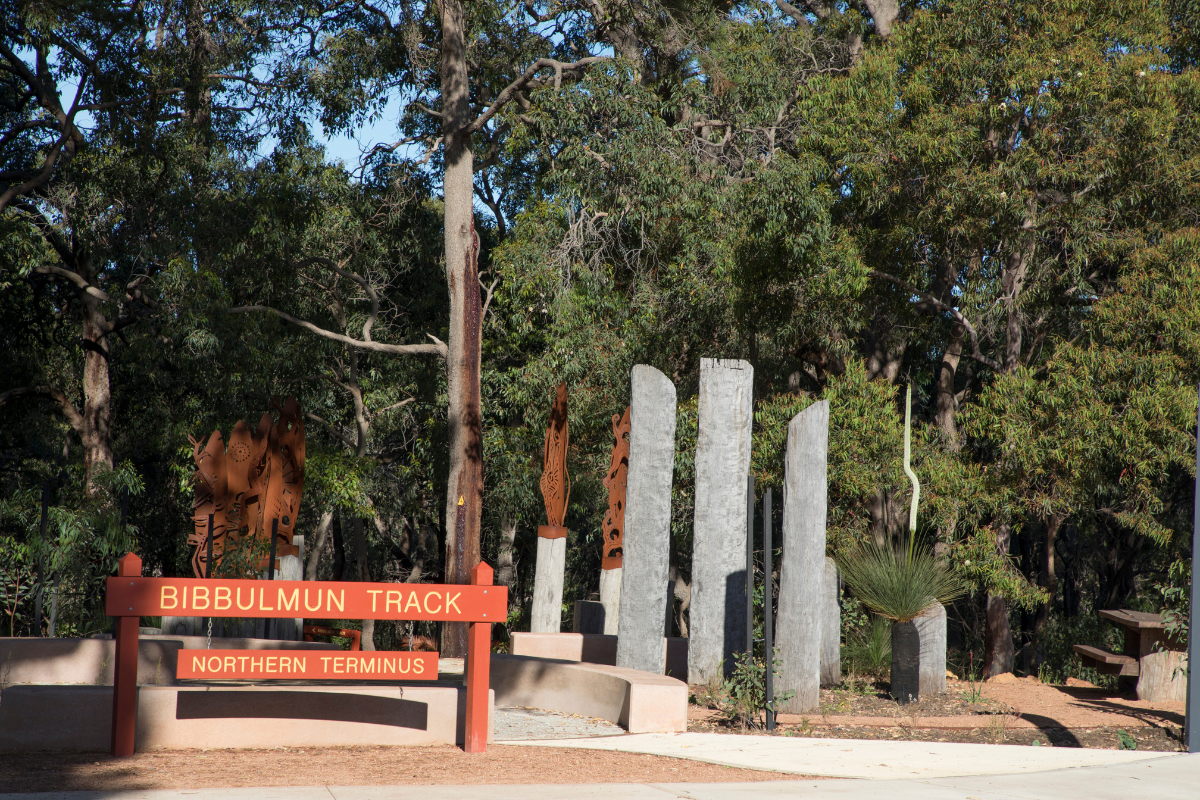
(615, 480)
(244, 485)
(556, 484)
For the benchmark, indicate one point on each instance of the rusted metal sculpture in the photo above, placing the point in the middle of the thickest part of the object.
(556, 484)
(618, 473)
(242, 487)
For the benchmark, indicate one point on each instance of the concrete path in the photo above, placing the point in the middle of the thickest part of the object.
(855, 758)
(1174, 777)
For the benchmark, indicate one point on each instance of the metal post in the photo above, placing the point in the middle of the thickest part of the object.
(768, 612)
(750, 565)
(271, 570)
(1191, 726)
(208, 561)
(478, 668)
(41, 568)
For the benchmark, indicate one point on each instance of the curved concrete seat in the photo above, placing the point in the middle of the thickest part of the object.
(640, 702)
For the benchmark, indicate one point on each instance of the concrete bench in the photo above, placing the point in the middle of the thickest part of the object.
(640, 702)
(594, 648)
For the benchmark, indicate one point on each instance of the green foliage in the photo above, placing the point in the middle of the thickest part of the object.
(868, 649)
(742, 698)
(901, 585)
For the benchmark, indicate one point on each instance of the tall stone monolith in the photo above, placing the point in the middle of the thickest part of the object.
(546, 612)
(931, 628)
(802, 572)
(647, 536)
(717, 627)
(831, 628)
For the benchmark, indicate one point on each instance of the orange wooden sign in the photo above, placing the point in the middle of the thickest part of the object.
(306, 665)
(242, 599)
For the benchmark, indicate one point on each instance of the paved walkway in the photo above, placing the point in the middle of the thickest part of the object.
(857, 758)
(1173, 777)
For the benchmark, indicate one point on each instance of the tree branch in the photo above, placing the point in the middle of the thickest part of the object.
(954, 312)
(520, 83)
(437, 348)
(74, 418)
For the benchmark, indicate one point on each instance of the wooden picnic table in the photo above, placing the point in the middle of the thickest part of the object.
(1157, 668)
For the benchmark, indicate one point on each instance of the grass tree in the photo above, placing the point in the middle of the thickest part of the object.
(901, 583)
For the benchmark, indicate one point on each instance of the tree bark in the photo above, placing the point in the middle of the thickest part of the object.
(947, 405)
(506, 572)
(339, 549)
(363, 573)
(998, 641)
(1048, 581)
(314, 553)
(464, 486)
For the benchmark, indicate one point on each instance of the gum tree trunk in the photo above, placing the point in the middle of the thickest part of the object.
(465, 483)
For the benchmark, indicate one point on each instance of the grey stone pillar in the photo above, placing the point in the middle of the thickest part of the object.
(647, 521)
(291, 568)
(717, 627)
(802, 572)
(546, 615)
(831, 629)
(931, 628)
(610, 598)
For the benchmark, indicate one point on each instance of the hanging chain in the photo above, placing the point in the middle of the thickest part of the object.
(209, 645)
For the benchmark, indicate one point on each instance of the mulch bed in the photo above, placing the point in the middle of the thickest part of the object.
(352, 766)
(866, 711)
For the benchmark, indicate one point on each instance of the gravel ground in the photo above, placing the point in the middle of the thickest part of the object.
(517, 724)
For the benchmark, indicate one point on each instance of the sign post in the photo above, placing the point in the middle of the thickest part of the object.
(124, 714)
(131, 596)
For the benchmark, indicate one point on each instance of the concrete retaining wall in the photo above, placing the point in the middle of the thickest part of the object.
(76, 718)
(90, 661)
(640, 702)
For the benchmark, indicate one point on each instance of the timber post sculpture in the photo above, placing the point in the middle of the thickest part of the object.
(612, 558)
(242, 487)
(552, 537)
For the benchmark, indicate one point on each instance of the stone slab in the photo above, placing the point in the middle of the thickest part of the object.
(717, 614)
(210, 717)
(546, 614)
(589, 617)
(802, 573)
(610, 598)
(831, 628)
(644, 595)
(931, 628)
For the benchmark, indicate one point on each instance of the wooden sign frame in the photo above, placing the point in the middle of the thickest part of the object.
(130, 596)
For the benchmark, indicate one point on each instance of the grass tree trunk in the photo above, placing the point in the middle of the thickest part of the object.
(465, 481)
(906, 662)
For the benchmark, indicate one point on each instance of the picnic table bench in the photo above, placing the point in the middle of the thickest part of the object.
(1157, 668)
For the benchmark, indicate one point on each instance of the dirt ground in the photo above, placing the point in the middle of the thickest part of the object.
(351, 766)
(1005, 710)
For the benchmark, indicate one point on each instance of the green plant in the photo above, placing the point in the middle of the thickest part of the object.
(743, 697)
(1125, 741)
(974, 685)
(901, 585)
(869, 649)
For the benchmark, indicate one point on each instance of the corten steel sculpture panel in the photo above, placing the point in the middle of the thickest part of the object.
(556, 484)
(618, 474)
(257, 478)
